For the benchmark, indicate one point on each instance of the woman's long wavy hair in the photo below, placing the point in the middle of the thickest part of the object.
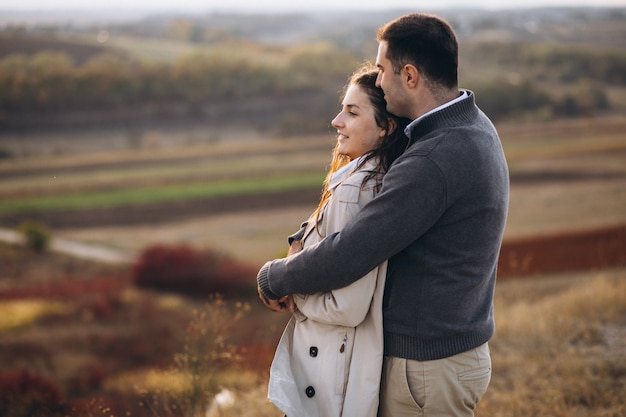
(393, 144)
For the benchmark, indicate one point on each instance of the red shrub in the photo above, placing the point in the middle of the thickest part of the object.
(183, 270)
(567, 251)
(24, 394)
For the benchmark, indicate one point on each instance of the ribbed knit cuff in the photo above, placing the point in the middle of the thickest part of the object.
(262, 280)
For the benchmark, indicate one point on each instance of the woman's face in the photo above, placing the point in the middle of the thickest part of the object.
(356, 126)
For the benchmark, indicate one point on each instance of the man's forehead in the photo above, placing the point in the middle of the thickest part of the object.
(382, 53)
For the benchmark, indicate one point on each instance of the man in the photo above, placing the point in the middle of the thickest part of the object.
(439, 219)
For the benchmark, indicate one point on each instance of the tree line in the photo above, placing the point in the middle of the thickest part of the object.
(50, 82)
(544, 81)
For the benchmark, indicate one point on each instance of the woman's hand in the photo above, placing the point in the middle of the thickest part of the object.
(282, 305)
(295, 247)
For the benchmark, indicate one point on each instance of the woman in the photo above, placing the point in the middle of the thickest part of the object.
(329, 358)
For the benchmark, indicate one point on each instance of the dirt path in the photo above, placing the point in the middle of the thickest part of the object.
(77, 249)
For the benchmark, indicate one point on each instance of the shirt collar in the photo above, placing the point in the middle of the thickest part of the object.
(461, 96)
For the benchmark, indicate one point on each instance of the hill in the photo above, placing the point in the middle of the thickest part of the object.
(170, 70)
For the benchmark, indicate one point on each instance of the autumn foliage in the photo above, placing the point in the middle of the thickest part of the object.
(183, 270)
(23, 393)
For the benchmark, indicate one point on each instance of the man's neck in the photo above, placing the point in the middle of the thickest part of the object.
(462, 95)
(445, 96)
(433, 99)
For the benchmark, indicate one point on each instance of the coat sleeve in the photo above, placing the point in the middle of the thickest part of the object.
(346, 306)
(299, 234)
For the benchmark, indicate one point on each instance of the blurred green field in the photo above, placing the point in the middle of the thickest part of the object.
(156, 194)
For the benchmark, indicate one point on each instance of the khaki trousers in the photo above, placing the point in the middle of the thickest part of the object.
(449, 387)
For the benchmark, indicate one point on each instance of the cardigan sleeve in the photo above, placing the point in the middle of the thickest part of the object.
(346, 306)
(412, 198)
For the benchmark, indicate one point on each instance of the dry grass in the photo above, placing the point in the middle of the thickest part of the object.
(559, 350)
(560, 347)
(24, 313)
(208, 365)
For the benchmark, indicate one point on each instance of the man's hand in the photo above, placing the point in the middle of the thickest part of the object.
(282, 305)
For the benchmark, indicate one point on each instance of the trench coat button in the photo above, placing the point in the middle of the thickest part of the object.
(313, 351)
(310, 391)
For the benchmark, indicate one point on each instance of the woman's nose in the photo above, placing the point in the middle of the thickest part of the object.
(336, 122)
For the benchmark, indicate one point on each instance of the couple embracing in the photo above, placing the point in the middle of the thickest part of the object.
(390, 281)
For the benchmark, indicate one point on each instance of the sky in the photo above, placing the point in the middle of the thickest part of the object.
(280, 6)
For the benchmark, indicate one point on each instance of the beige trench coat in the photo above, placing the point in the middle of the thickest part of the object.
(329, 359)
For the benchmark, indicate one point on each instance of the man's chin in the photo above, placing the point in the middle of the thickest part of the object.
(393, 111)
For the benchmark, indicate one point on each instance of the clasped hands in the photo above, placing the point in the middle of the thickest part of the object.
(286, 303)
(282, 305)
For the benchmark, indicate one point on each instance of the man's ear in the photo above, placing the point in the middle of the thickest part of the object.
(411, 75)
